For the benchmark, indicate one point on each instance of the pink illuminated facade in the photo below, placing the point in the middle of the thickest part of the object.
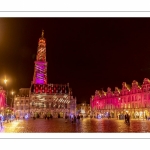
(2, 98)
(134, 100)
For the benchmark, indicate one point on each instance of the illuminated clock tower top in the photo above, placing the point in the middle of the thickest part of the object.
(41, 53)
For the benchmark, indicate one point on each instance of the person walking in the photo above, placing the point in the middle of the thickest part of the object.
(75, 118)
(128, 119)
(125, 118)
(78, 118)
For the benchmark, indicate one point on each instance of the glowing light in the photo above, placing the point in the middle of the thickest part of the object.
(12, 92)
(99, 116)
(26, 116)
(5, 81)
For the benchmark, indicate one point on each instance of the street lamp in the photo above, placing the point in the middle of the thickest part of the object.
(12, 98)
(5, 81)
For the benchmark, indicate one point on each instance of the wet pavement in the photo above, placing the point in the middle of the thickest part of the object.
(87, 125)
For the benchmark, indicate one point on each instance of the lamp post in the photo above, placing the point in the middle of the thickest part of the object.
(5, 81)
(12, 93)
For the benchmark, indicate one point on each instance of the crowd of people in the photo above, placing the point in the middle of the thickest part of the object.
(5, 118)
(73, 118)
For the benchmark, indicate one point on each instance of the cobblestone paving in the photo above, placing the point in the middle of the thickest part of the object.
(86, 125)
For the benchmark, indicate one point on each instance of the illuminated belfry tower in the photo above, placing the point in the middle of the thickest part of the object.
(41, 97)
(40, 69)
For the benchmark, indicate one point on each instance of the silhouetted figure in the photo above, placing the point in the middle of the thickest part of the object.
(74, 118)
(78, 117)
(125, 118)
(128, 119)
(58, 115)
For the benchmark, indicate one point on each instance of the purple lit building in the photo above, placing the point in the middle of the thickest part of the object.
(41, 97)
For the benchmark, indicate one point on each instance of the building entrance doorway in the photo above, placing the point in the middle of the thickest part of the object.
(61, 114)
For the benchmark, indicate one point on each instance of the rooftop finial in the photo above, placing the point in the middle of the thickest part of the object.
(42, 33)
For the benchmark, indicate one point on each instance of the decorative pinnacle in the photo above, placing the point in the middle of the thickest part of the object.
(42, 33)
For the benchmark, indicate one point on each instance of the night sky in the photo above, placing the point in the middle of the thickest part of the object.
(87, 53)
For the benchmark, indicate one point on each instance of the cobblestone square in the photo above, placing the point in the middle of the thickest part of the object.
(87, 125)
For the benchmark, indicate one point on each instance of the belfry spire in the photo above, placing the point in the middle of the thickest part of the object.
(42, 33)
(40, 68)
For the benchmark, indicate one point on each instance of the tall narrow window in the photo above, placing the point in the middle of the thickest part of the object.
(135, 98)
(128, 105)
(129, 99)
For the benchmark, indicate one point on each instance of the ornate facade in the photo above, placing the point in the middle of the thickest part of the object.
(2, 98)
(55, 99)
(22, 102)
(134, 100)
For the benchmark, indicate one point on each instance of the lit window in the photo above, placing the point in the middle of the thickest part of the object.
(128, 105)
